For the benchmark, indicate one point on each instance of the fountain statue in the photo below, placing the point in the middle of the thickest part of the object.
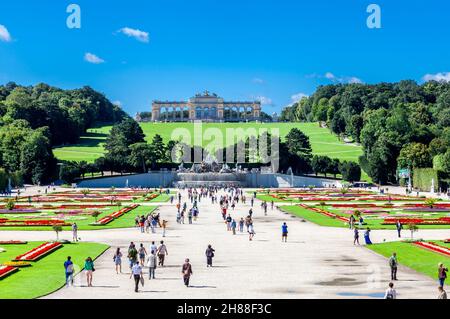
(432, 186)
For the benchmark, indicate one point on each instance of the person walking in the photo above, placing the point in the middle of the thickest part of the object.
(399, 227)
(68, 267)
(136, 273)
(228, 221)
(151, 263)
(442, 274)
(233, 226)
(390, 292)
(132, 254)
(74, 232)
(118, 260)
(351, 221)
(89, 268)
(442, 293)
(355, 236)
(162, 252)
(153, 248)
(186, 270)
(284, 232)
(164, 226)
(393, 264)
(367, 236)
(190, 216)
(209, 256)
(251, 232)
(241, 225)
(142, 254)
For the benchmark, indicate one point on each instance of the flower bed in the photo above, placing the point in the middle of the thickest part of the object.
(42, 222)
(418, 221)
(13, 242)
(7, 270)
(38, 252)
(16, 264)
(433, 247)
(107, 219)
(151, 197)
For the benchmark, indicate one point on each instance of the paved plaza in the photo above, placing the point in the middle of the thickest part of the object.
(316, 262)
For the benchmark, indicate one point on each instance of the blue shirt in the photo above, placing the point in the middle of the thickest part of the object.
(66, 265)
(284, 228)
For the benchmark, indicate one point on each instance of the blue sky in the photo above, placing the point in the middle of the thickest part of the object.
(239, 49)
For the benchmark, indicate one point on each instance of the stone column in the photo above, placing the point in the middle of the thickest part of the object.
(156, 109)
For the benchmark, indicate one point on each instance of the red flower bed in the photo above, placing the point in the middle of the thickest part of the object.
(38, 252)
(12, 242)
(7, 270)
(42, 222)
(107, 219)
(151, 197)
(447, 241)
(433, 247)
(419, 221)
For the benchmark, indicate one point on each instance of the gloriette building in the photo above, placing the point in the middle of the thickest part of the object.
(206, 107)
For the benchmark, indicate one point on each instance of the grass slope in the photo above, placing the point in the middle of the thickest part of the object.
(414, 257)
(323, 142)
(47, 274)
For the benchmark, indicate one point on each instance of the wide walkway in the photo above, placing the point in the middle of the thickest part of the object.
(317, 262)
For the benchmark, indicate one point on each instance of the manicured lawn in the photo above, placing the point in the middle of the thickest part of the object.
(323, 142)
(313, 217)
(160, 199)
(327, 221)
(414, 257)
(269, 198)
(47, 274)
(125, 221)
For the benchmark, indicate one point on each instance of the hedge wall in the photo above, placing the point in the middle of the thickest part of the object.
(422, 179)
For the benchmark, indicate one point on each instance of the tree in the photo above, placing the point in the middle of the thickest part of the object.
(333, 167)
(352, 172)
(412, 227)
(3, 179)
(95, 214)
(430, 202)
(57, 229)
(10, 204)
(85, 192)
(140, 154)
(414, 155)
(298, 143)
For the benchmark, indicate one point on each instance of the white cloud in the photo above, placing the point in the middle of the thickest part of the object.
(258, 81)
(330, 76)
(264, 100)
(442, 76)
(4, 34)
(354, 80)
(135, 33)
(336, 79)
(297, 97)
(118, 103)
(92, 58)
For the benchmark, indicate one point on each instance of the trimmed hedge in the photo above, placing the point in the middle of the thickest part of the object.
(422, 179)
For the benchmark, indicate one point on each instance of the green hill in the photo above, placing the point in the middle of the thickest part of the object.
(90, 146)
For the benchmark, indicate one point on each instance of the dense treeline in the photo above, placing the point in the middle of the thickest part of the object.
(399, 125)
(34, 119)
